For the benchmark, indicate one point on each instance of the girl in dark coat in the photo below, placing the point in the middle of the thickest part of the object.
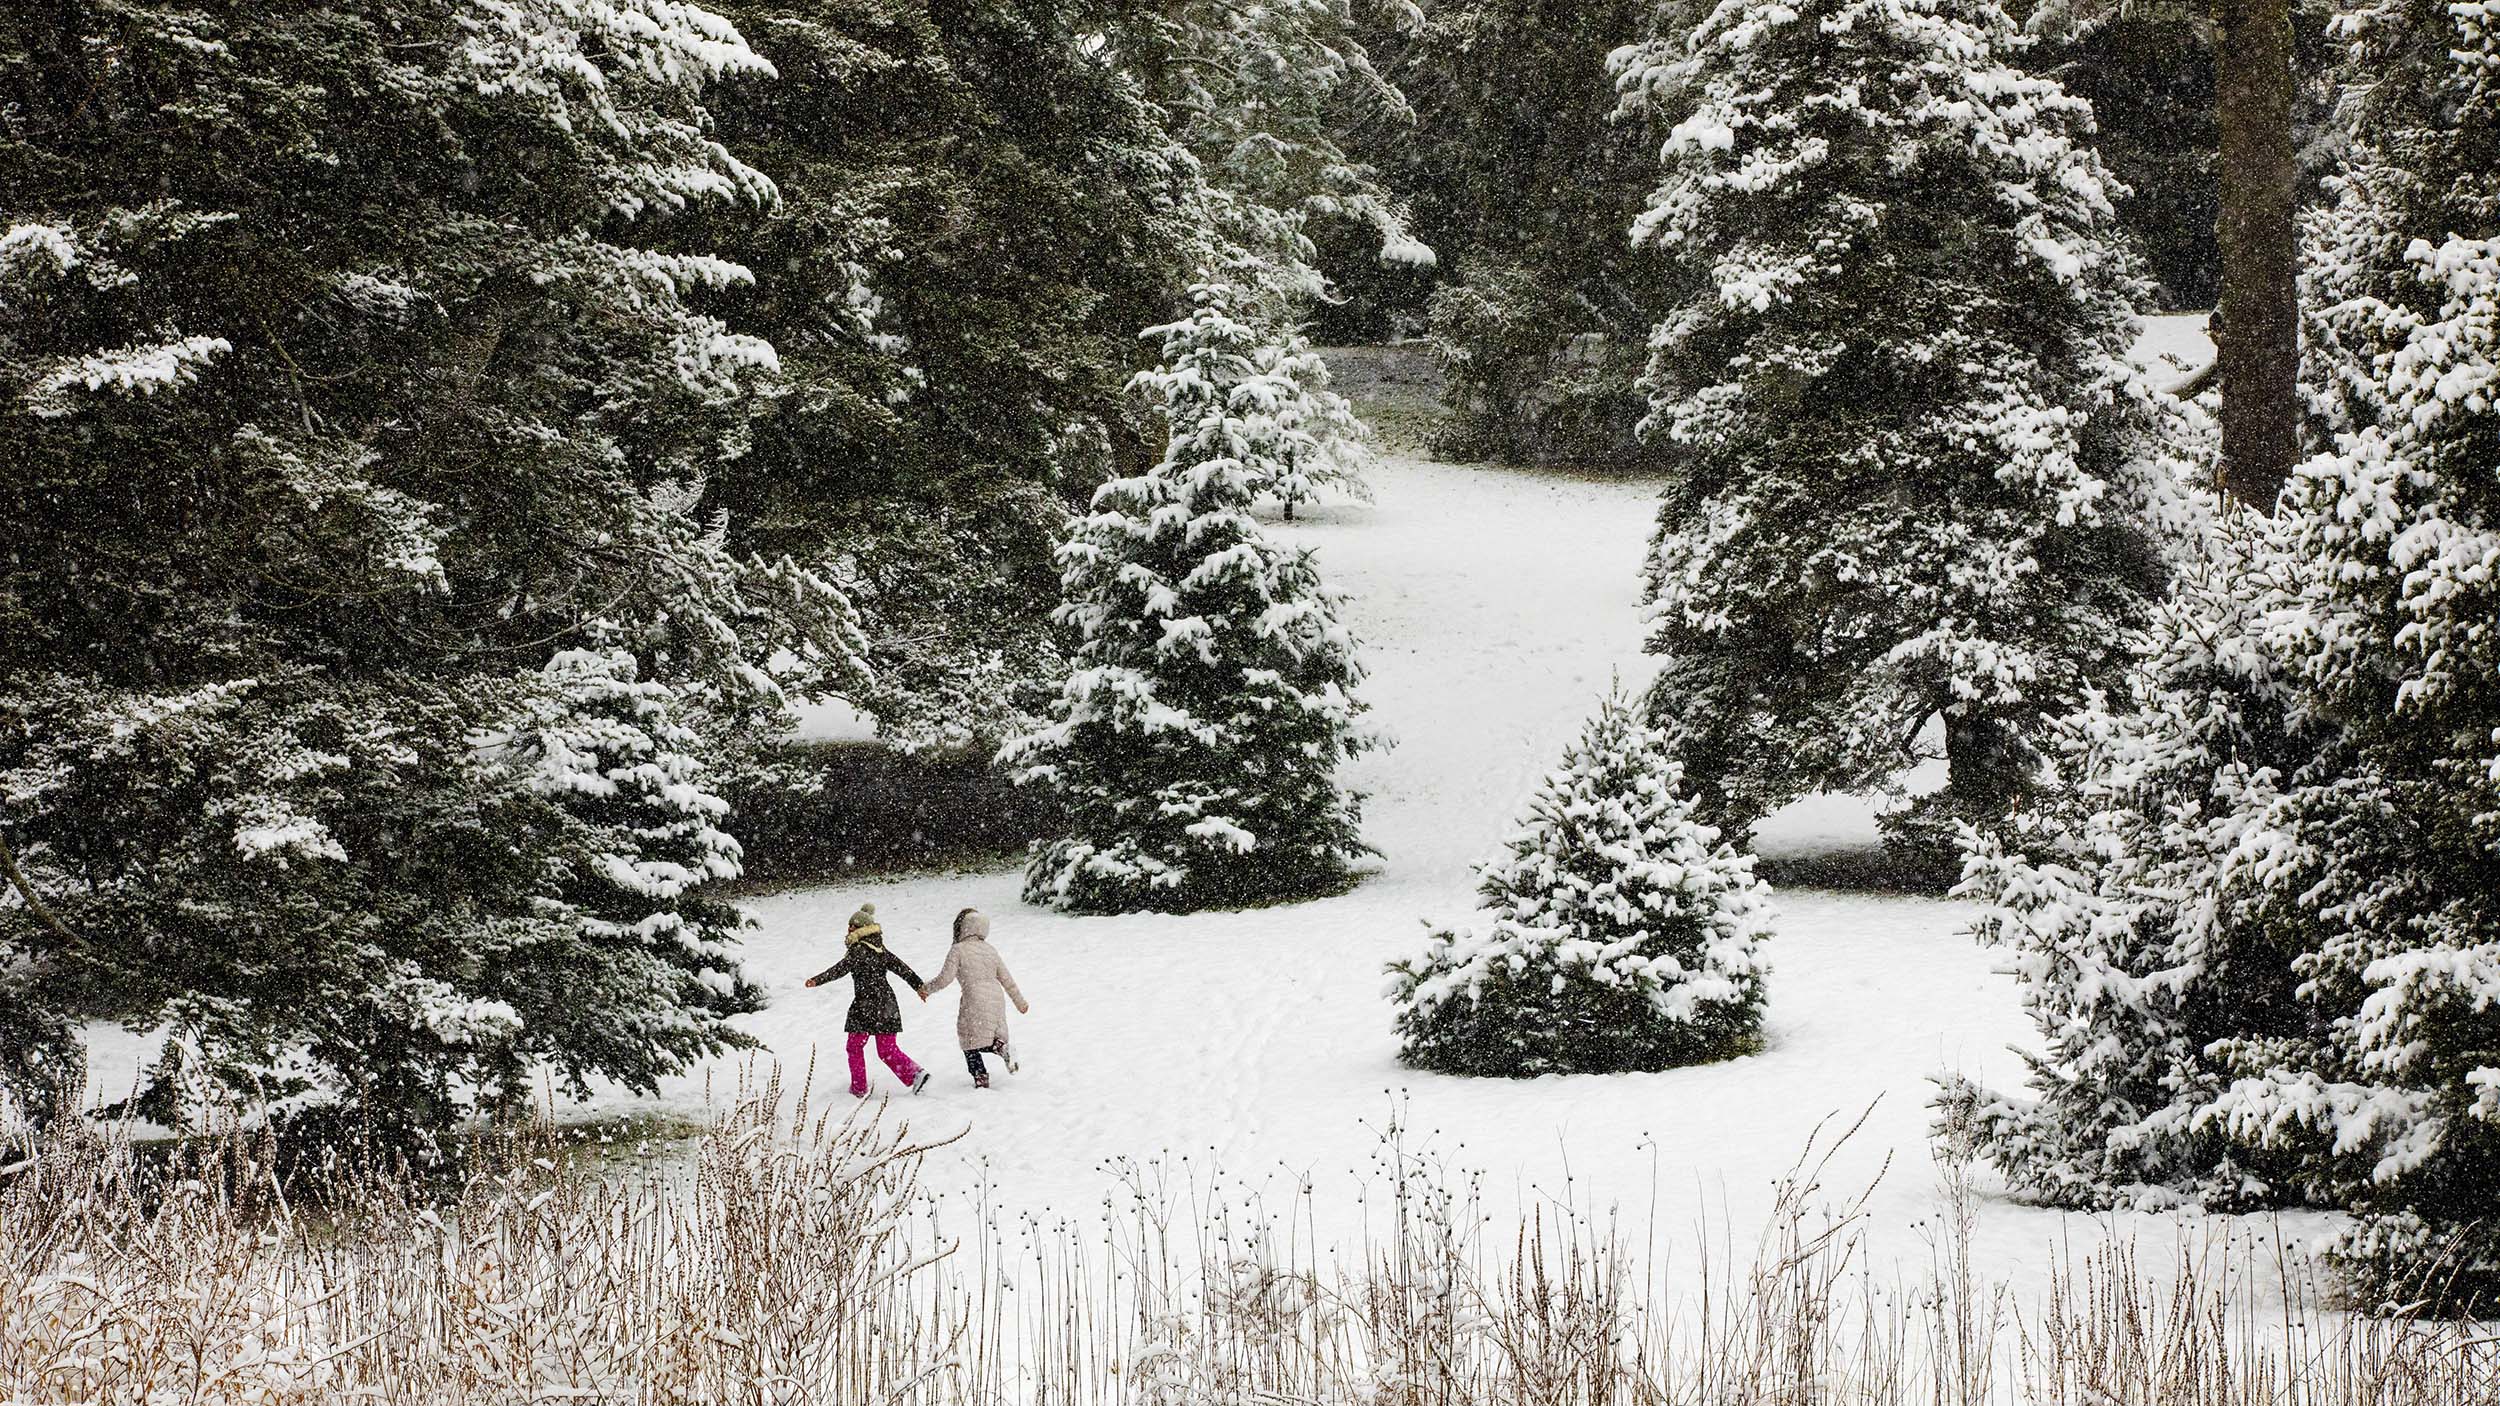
(874, 1010)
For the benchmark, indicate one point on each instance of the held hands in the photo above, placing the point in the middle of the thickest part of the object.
(924, 992)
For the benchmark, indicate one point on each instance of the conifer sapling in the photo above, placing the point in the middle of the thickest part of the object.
(1196, 745)
(1620, 932)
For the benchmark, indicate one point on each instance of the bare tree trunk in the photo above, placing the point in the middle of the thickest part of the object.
(2257, 344)
(1987, 766)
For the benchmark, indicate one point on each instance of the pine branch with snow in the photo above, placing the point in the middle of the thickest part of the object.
(1257, 95)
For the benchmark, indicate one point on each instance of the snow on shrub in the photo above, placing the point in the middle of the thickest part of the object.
(1195, 746)
(1620, 932)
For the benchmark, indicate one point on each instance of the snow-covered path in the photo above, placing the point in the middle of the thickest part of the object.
(1495, 606)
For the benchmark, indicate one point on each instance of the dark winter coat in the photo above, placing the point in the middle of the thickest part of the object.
(874, 1010)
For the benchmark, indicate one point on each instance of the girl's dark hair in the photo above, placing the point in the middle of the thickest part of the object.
(959, 920)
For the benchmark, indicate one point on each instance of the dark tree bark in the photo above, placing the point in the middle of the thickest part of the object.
(1988, 769)
(2257, 343)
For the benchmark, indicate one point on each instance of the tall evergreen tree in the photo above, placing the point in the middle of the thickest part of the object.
(1526, 180)
(2310, 925)
(1620, 934)
(362, 581)
(978, 210)
(1915, 472)
(1196, 746)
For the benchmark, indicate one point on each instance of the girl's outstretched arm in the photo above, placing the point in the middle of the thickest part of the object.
(904, 968)
(835, 972)
(1012, 993)
(947, 972)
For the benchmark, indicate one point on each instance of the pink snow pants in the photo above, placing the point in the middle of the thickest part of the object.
(888, 1049)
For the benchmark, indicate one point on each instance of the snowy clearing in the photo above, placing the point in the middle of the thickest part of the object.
(1495, 605)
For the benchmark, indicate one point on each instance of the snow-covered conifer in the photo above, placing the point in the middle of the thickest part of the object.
(1915, 471)
(2389, 1089)
(1259, 94)
(2133, 903)
(2268, 970)
(1196, 746)
(355, 441)
(1318, 443)
(1619, 932)
(977, 214)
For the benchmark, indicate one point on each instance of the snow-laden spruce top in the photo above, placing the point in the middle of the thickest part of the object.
(1917, 471)
(1196, 741)
(1620, 933)
(1905, 84)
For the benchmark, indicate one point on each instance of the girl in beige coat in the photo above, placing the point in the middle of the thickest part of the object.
(981, 1021)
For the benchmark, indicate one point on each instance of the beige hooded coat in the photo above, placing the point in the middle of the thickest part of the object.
(981, 1021)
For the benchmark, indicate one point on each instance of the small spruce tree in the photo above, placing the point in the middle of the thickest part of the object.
(1915, 466)
(1321, 442)
(1621, 932)
(1195, 747)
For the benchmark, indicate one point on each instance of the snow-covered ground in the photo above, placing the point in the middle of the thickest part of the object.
(1495, 606)
(2175, 347)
